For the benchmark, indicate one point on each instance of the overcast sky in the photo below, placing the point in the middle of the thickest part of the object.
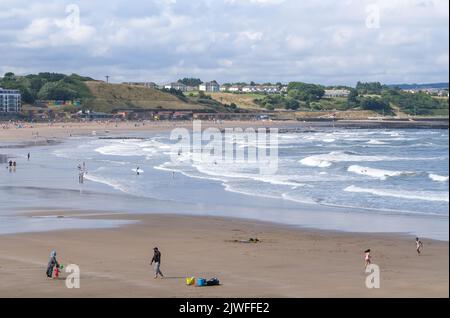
(318, 41)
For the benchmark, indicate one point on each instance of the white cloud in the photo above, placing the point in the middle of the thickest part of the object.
(322, 41)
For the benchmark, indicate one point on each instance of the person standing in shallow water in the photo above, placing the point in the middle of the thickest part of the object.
(156, 262)
(419, 246)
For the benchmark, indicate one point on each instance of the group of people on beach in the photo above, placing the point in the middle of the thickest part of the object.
(368, 256)
(53, 266)
(12, 164)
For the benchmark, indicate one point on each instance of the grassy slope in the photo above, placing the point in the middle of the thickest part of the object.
(244, 101)
(109, 97)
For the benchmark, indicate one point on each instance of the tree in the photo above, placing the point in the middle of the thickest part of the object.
(190, 81)
(9, 76)
(305, 92)
(352, 99)
(369, 88)
(57, 91)
(378, 105)
(292, 104)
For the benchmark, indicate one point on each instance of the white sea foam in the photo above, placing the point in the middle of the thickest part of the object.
(375, 142)
(378, 173)
(109, 182)
(405, 194)
(438, 178)
(326, 160)
(131, 147)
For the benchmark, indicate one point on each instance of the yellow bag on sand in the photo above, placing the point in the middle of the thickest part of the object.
(190, 281)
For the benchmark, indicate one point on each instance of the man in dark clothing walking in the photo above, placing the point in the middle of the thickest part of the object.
(157, 262)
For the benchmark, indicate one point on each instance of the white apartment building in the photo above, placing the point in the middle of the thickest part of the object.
(10, 101)
(178, 86)
(210, 87)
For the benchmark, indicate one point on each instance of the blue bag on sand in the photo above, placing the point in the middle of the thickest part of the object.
(201, 282)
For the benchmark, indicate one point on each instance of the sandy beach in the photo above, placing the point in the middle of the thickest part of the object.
(42, 132)
(286, 263)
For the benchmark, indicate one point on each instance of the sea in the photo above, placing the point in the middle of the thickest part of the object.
(351, 180)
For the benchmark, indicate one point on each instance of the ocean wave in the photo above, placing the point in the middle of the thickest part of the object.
(326, 160)
(378, 173)
(375, 142)
(131, 147)
(109, 182)
(406, 194)
(438, 178)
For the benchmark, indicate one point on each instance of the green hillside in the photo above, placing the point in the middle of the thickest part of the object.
(100, 96)
(110, 97)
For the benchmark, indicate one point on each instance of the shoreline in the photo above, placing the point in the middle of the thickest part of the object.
(132, 216)
(288, 262)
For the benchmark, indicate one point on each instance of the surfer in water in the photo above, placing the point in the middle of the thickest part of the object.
(138, 171)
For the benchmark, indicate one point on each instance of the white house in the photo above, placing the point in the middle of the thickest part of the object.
(330, 93)
(248, 89)
(210, 87)
(234, 89)
(230, 88)
(10, 101)
(177, 86)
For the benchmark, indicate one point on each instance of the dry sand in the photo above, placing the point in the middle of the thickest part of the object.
(287, 263)
(42, 132)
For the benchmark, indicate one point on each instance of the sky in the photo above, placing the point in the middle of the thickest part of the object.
(326, 42)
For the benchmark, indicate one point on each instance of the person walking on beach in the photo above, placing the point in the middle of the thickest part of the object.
(51, 264)
(157, 262)
(28, 156)
(419, 246)
(367, 258)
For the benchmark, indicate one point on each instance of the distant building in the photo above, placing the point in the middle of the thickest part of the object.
(142, 84)
(90, 115)
(330, 93)
(249, 89)
(176, 85)
(234, 89)
(210, 87)
(10, 101)
(266, 89)
(230, 88)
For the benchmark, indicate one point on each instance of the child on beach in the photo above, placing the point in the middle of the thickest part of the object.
(367, 258)
(51, 264)
(419, 245)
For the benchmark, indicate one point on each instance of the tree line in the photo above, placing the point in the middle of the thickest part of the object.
(47, 86)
